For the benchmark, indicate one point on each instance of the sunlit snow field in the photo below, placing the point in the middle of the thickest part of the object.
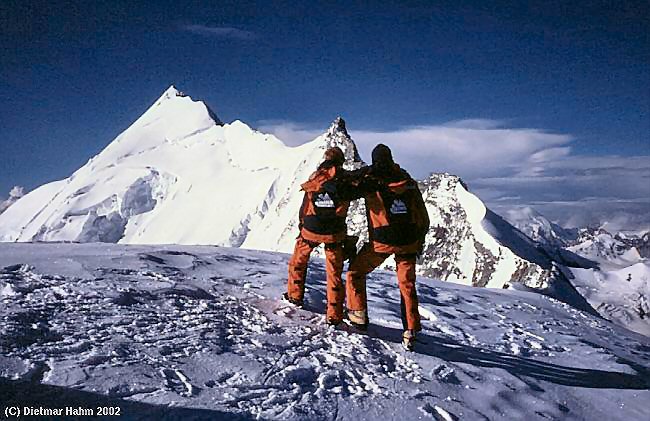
(179, 331)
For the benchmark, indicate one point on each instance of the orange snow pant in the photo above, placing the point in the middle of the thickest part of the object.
(333, 267)
(366, 262)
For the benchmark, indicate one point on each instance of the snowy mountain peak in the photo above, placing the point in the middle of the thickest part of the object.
(170, 92)
(338, 125)
(537, 227)
(598, 245)
(337, 135)
(176, 103)
(590, 233)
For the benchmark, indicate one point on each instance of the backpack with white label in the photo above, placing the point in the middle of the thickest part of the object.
(401, 229)
(328, 215)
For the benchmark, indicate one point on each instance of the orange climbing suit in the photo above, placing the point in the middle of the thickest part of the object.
(397, 223)
(326, 226)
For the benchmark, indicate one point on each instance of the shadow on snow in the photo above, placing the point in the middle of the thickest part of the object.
(32, 394)
(452, 351)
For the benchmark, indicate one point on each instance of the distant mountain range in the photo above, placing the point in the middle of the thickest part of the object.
(612, 271)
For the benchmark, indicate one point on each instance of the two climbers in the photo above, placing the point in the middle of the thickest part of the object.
(397, 224)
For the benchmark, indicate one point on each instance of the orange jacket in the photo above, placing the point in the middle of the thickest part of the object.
(397, 216)
(323, 211)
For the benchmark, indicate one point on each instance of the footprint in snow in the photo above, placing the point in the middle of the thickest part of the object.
(437, 413)
(178, 382)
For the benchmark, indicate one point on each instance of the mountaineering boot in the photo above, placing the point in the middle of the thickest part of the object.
(297, 303)
(358, 319)
(408, 340)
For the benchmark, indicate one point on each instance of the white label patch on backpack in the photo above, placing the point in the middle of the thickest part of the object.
(398, 207)
(324, 200)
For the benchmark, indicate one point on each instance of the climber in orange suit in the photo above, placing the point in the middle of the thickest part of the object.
(322, 221)
(397, 224)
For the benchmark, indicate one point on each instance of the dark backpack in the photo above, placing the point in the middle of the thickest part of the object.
(401, 229)
(325, 202)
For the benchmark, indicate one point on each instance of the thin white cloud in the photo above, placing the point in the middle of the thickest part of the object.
(16, 193)
(470, 148)
(469, 152)
(613, 214)
(510, 167)
(220, 32)
(576, 190)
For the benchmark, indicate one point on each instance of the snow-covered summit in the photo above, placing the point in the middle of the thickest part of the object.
(538, 227)
(169, 177)
(338, 125)
(179, 175)
(173, 118)
(170, 93)
(500, 254)
(337, 135)
(605, 248)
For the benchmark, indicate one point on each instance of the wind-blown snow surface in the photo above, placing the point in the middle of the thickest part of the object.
(155, 329)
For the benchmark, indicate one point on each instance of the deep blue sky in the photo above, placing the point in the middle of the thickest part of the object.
(73, 75)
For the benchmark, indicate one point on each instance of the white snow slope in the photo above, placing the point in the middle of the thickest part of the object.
(175, 176)
(180, 332)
